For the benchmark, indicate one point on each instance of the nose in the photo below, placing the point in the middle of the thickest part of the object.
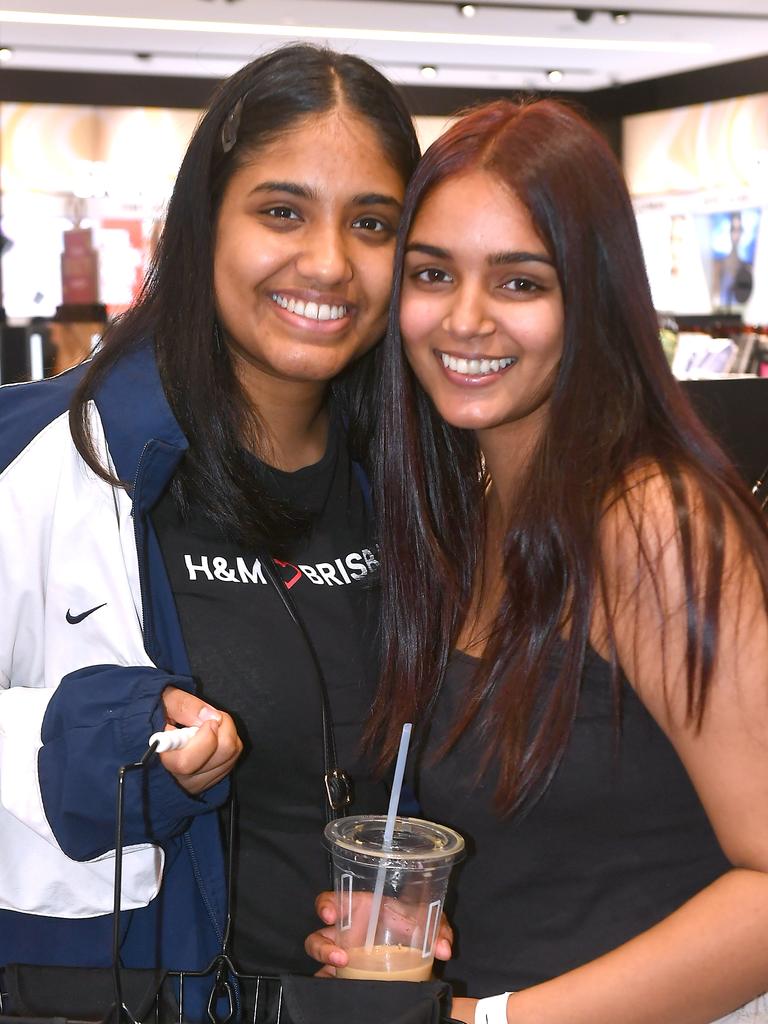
(469, 315)
(324, 258)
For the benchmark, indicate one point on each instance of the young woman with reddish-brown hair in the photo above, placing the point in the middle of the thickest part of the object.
(575, 599)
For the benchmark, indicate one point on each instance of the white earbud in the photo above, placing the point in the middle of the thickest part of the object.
(172, 739)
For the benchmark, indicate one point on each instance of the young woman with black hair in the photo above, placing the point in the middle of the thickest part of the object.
(224, 424)
(575, 588)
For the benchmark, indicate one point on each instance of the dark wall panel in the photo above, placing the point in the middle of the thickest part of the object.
(19, 85)
(713, 83)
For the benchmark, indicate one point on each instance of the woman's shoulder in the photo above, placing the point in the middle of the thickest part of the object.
(653, 503)
(28, 409)
(669, 536)
(681, 555)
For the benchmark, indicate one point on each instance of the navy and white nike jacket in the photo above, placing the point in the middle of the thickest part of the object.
(89, 638)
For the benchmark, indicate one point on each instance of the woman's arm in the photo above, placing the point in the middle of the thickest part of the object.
(695, 966)
(711, 955)
(100, 718)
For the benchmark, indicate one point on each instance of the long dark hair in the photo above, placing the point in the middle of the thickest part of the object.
(614, 407)
(176, 307)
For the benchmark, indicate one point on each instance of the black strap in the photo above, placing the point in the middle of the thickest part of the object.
(338, 785)
(338, 790)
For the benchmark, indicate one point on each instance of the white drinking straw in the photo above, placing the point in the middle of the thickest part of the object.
(389, 831)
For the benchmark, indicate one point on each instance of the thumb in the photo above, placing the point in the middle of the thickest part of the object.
(184, 708)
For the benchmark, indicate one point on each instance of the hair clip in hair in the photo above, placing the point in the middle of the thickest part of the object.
(231, 126)
(760, 489)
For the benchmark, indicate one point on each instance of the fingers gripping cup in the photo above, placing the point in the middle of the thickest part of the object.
(390, 896)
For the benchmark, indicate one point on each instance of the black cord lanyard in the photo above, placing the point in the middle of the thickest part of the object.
(338, 785)
(338, 794)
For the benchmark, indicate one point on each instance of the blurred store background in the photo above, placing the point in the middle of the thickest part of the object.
(98, 99)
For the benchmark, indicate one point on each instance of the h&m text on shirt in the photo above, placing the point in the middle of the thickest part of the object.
(341, 571)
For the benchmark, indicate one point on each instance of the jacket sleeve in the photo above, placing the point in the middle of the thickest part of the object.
(61, 750)
(76, 701)
(98, 719)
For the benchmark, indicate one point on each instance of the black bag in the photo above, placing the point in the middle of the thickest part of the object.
(337, 1001)
(33, 991)
(62, 995)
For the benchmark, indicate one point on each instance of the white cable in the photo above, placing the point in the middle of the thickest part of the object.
(173, 739)
(492, 1009)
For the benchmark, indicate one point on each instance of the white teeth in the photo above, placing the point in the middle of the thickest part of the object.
(310, 310)
(476, 367)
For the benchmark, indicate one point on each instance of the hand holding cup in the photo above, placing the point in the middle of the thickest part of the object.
(321, 944)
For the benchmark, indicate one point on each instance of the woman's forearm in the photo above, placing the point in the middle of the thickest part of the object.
(701, 962)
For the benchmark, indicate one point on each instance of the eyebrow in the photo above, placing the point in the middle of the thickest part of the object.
(376, 199)
(291, 187)
(502, 258)
(305, 192)
(428, 250)
(495, 260)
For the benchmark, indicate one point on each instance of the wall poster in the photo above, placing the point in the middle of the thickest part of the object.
(699, 180)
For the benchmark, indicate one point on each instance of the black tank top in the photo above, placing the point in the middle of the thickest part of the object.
(617, 841)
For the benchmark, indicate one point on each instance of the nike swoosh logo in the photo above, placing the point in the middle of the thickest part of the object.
(74, 619)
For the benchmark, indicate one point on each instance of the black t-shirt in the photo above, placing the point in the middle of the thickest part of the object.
(618, 840)
(252, 660)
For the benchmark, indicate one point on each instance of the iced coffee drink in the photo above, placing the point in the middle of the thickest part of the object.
(386, 963)
(390, 897)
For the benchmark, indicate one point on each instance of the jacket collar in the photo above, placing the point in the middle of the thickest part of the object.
(140, 429)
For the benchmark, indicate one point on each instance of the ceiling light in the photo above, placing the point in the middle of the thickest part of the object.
(324, 32)
(583, 14)
(620, 17)
(6, 54)
(554, 75)
(428, 71)
(468, 10)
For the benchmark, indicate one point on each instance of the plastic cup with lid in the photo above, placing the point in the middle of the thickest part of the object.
(389, 933)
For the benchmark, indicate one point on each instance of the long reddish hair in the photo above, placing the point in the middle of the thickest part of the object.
(614, 405)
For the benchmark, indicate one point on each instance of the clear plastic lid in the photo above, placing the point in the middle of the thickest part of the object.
(414, 841)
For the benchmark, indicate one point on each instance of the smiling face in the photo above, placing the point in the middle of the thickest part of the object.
(482, 312)
(303, 255)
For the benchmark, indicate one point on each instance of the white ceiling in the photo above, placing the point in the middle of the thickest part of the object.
(503, 46)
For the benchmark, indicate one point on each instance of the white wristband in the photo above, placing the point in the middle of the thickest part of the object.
(492, 1009)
